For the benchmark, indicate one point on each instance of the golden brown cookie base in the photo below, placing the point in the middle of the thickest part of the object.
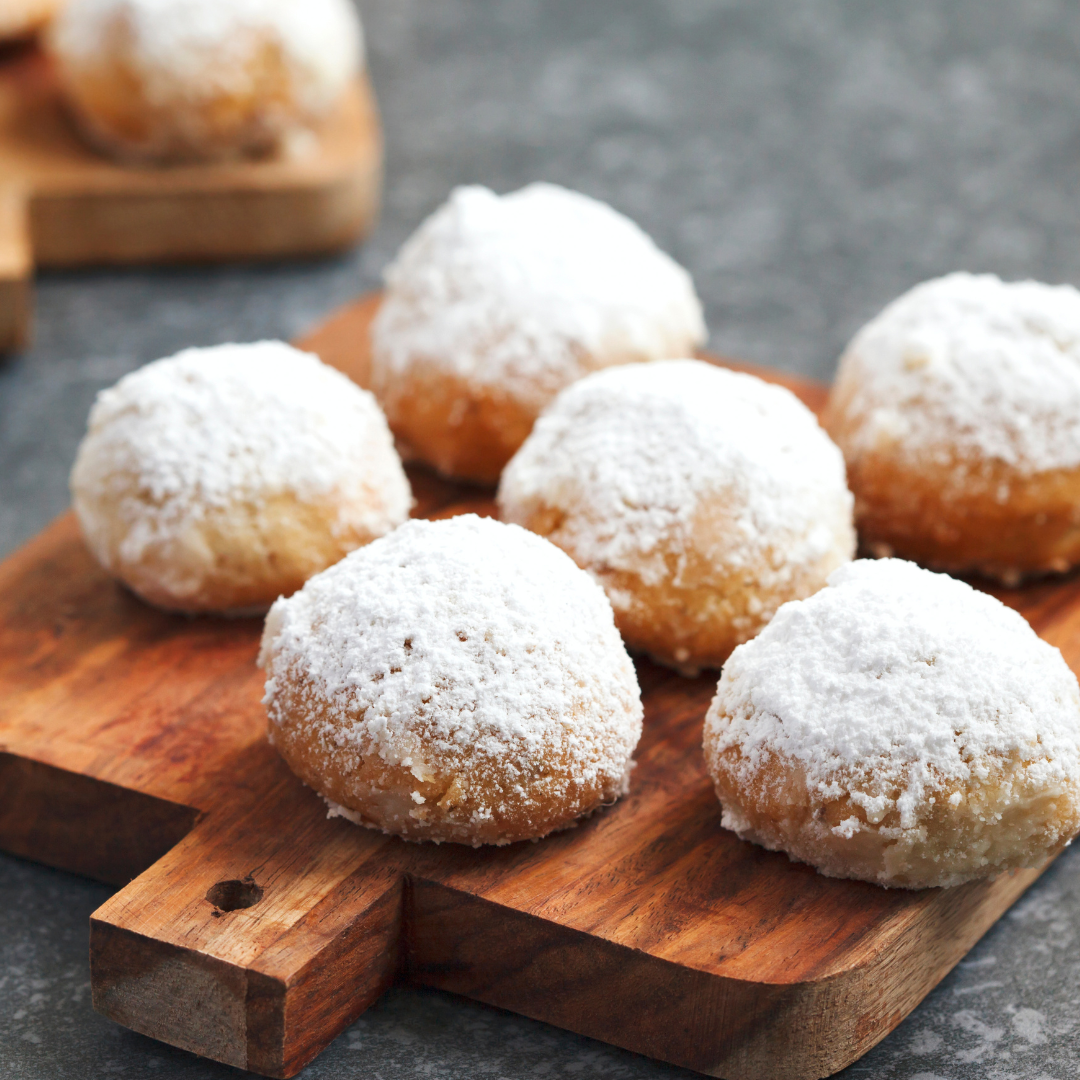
(464, 802)
(994, 522)
(701, 610)
(236, 559)
(996, 825)
(464, 431)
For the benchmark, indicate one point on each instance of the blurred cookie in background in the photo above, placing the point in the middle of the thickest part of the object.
(204, 80)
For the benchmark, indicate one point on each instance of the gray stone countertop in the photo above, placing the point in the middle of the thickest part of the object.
(808, 160)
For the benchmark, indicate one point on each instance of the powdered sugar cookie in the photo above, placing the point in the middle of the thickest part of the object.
(497, 303)
(700, 499)
(221, 478)
(176, 80)
(958, 411)
(901, 728)
(456, 680)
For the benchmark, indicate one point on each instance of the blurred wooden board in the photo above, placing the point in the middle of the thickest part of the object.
(62, 204)
(133, 749)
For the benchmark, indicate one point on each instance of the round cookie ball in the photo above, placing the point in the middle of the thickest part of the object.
(901, 728)
(458, 680)
(222, 478)
(701, 499)
(203, 80)
(958, 411)
(497, 303)
(21, 18)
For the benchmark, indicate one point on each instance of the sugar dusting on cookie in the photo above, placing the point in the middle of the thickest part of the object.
(899, 726)
(969, 361)
(528, 291)
(210, 427)
(900, 680)
(632, 453)
(463, 649)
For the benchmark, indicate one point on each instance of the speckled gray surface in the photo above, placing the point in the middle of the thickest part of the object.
(808, 160)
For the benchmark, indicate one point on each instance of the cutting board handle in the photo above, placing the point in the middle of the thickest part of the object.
(16, 268)
(253, 947)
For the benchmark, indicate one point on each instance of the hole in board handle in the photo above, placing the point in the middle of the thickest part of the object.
(234, 894)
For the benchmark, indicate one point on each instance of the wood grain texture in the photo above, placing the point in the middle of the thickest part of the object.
(132, 747)
(63, 204)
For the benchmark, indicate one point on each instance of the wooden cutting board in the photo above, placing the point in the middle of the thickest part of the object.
(251, 929)
(62, 204)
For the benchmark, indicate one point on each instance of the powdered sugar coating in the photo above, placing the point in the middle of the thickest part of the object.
(632, 453)
(462, 649)
(894, 688)
(988, 367)
(198, 48)
(211, 427)
(529, 291)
